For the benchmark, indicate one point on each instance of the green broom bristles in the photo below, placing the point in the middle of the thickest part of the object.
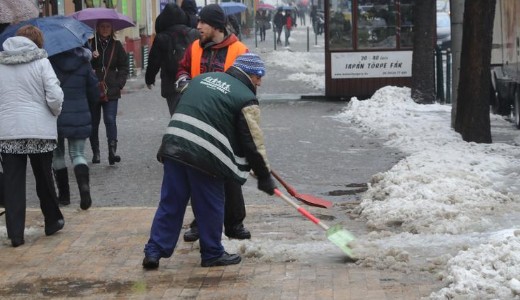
(341, 238)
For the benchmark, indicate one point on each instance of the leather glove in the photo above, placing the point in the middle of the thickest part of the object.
(267, 185)
(181, 84)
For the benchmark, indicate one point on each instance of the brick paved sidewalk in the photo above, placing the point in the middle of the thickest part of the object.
(98, 255)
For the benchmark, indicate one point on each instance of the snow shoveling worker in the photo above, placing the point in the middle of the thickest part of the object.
(213, 137)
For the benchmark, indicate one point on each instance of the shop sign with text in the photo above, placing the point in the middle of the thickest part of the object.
(371, 64)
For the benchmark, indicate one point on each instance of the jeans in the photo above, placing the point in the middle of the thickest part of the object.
(109, 118)
(287, 35)
(76, 153)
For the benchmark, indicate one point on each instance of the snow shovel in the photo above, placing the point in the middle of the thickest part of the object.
(340, 237)
(308, 199)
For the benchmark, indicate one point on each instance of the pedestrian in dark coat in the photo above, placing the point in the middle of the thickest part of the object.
(79, 85)
(190, 8)
(278, 21)
(171, 28)
(213, 137)
(116, 74)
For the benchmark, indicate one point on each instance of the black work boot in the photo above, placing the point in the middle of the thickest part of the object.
(82, 177)
(62, 181)
(112, 148)
(192, 234)
(94, 144)
(96, 157)
(238, 232)
(225, 260)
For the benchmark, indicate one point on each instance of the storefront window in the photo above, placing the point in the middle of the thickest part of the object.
(406, 23)
(340, 24)
(376, 26)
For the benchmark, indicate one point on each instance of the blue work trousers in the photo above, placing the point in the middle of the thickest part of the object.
(180, 183)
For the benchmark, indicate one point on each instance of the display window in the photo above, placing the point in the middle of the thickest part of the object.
(370, 24)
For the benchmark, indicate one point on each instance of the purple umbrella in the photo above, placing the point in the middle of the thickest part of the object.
(91, 16)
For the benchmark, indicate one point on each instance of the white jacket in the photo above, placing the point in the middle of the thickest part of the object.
(30, 92)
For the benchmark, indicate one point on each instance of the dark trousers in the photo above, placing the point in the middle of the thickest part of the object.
(15, 167)
(172, 102)
(180, 183)
(234, 207)
(109, 118)
(279, 36)
(1, 189)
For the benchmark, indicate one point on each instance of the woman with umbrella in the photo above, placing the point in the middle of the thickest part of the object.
(110, 63)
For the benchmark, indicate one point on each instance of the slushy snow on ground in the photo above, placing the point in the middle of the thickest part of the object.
(453, 203)
(450, 207)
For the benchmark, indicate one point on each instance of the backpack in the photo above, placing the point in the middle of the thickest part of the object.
(179, 39)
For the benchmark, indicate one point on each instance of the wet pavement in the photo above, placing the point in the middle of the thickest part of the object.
(98, 255)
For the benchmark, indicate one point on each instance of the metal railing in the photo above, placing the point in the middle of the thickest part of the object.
(443, 78)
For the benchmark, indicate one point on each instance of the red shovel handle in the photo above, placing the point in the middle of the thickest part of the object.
(289, 188)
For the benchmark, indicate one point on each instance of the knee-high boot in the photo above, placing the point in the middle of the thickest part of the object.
(62, 181)
(94, 144)
(112, 148)
(82, 177)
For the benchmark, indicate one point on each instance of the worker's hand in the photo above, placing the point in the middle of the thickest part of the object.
(181, 84)
(149, 86)
(267, 185)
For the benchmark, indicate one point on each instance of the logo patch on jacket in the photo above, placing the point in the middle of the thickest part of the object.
(216, 84)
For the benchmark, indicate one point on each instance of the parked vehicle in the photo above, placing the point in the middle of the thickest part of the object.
(505, 65)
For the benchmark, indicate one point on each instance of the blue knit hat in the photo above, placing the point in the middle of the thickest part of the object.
(251, 64)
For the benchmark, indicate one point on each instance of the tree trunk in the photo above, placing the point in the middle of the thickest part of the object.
(472, 119)
(423, 76)
(457, 16)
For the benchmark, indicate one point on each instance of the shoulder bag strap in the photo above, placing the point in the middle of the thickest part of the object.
(109, 61)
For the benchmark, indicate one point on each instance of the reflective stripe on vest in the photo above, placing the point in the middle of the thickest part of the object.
(234, 50)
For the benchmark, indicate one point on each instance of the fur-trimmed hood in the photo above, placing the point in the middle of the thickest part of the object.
(20, 50)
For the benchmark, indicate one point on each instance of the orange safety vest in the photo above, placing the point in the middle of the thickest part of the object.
(234, 50)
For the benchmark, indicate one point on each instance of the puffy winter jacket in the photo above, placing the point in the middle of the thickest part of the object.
(30, 93)
(79, 84)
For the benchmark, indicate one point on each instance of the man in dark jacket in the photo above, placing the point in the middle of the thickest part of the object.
(215, 51)
(278, 21)
(171, 30)
(212, 138)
